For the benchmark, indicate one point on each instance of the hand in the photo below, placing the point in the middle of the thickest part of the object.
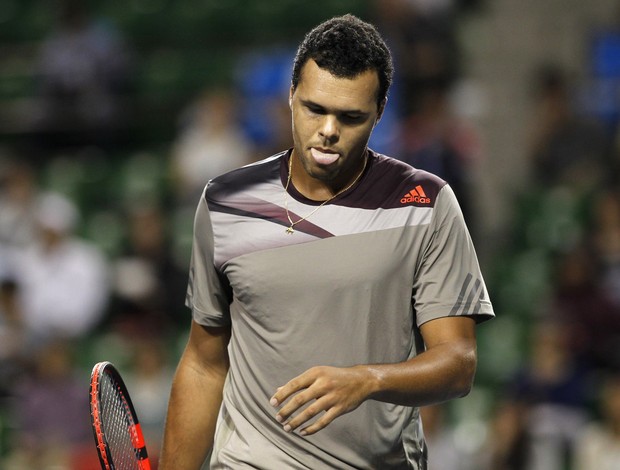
(332, 390)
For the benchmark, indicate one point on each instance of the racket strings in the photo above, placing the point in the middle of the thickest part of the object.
(119, 426)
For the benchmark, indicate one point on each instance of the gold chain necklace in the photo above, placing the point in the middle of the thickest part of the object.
(291, 228)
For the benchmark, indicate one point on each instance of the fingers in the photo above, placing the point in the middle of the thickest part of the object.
(295, 403)
(320, 423)
(301, 382)
(315, 407)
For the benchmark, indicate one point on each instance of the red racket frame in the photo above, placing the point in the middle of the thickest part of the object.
(100, 370)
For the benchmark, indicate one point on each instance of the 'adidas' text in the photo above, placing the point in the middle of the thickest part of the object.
(416, 195)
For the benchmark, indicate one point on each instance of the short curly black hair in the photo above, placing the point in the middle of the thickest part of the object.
(346, 46)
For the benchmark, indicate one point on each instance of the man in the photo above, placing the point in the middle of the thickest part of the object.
(62, 279)
(318, 277)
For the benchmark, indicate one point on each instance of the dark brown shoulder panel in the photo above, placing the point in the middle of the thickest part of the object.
(390, 183)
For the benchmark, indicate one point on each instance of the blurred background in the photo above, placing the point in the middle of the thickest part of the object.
(114, 114)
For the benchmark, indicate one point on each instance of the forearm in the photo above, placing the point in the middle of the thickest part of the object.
(444, 372)
(195, 400)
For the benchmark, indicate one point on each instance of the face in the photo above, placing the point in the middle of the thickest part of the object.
(332, 121)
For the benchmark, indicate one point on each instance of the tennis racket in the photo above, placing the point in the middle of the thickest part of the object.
(119, 439)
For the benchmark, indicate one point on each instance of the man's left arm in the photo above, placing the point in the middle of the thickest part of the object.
(445, 370)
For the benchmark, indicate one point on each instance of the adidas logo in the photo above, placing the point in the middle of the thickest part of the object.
(417, 194)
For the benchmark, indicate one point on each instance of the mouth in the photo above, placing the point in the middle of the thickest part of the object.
(324, 156)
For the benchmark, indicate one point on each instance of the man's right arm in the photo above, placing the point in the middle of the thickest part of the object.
(195, 399)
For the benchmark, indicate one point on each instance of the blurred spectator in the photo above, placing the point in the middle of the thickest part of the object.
(599, 444)
(51, 414)
(422, 37)
(211, 141)
(507, 438)
(580, 301)
(147, 281)
(62, 280)
(83, 72)
(552, 393)
(566, 148)
(18, 196)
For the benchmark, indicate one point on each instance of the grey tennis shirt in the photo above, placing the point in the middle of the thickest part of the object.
(350, 286)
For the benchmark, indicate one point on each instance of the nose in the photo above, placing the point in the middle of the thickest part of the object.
(329, 129)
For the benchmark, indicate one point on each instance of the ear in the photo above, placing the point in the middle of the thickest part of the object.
(290, 97)
(380, 110)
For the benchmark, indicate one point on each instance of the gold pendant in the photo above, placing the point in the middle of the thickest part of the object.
(290, 230)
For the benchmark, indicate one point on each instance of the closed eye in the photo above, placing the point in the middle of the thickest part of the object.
(352, 118)
(315, 109)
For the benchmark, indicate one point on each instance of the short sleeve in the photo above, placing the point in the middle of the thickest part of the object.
(448, 281)
(208, 293)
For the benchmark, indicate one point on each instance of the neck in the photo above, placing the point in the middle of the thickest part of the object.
(321, 190)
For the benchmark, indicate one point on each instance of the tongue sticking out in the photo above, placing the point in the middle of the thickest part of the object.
(324, 158)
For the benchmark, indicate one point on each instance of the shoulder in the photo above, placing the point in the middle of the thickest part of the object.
(242, 179)
(398, 170)
(398, 184)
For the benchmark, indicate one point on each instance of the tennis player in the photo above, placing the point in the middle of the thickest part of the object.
(334, 290)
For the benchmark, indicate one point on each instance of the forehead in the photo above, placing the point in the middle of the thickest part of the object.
(321, 87)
